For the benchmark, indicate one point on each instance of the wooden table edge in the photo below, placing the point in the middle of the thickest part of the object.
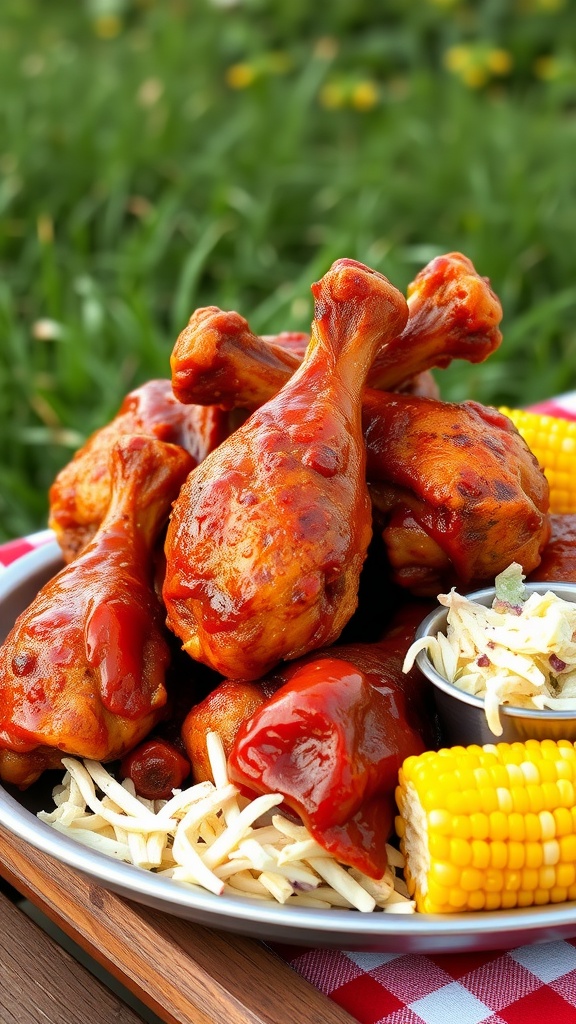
(182, 971)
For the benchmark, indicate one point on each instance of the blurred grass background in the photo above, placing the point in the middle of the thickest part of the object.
(158, 156)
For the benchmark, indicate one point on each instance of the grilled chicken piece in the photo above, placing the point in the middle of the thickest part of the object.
(458, 493)
(268, 535)
(80, 493)
(82, 671)
(452, 313)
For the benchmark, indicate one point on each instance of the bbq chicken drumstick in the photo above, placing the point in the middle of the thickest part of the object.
(268, 535)
(82, 671)
(458, 494)
(452, 314)
(80, 493)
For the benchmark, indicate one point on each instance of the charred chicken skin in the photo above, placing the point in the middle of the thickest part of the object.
(80, 494)
(289, 482)
(82, 671)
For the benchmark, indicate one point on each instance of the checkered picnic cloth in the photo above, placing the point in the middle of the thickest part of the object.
(527, 985)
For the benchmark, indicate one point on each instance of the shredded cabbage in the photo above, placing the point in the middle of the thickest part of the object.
(521, 651)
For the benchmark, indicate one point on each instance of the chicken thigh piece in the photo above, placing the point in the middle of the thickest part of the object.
(80, 493)
(457, 492)
(268, 535)
(82, 671)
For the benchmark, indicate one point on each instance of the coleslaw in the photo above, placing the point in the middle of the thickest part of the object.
(520, 651)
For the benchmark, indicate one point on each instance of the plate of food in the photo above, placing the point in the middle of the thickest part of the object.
(202, 698)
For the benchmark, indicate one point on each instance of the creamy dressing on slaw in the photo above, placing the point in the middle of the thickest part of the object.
(521, 651)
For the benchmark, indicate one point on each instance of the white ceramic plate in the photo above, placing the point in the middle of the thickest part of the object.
(329, 928)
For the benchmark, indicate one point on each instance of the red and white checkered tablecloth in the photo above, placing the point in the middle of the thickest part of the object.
(526, 985)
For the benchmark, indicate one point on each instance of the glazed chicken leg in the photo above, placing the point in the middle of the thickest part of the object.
(458, 493)
(269, 533)
(452, 313)
(82, 671)
(80, 493)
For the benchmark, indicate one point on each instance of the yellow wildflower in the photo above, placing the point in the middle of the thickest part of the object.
(240, 76)
(107, 26)
(456, 58)
(474, 76)
(499, 61)
(364, 95)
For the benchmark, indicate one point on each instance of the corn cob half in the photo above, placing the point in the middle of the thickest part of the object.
(484, 828)
(553, 442)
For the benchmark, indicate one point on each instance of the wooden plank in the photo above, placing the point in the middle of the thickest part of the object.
(39, 981)
(180, 970)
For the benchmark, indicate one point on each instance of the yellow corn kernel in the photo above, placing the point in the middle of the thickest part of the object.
(547, 824)
(567, 846)
(498, 854)
(566, 791)
(498, 825)
(476, 900)
(512, 881)
(517, 828)
(566, 875)
(460, 852)
(563, 821)
(493, 901)
(533, 854)
(480, 853)
(515, 851)
(552, 439)
(479, 825)
(529, 879)
(509, 900)
(558, 894)
(533, 827)
(520, 800)
(516, 855)
(439, 846)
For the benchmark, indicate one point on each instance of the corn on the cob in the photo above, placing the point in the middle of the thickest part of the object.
(484, 828)
(553, 442)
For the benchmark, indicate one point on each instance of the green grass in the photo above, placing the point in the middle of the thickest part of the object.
(137, 184)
